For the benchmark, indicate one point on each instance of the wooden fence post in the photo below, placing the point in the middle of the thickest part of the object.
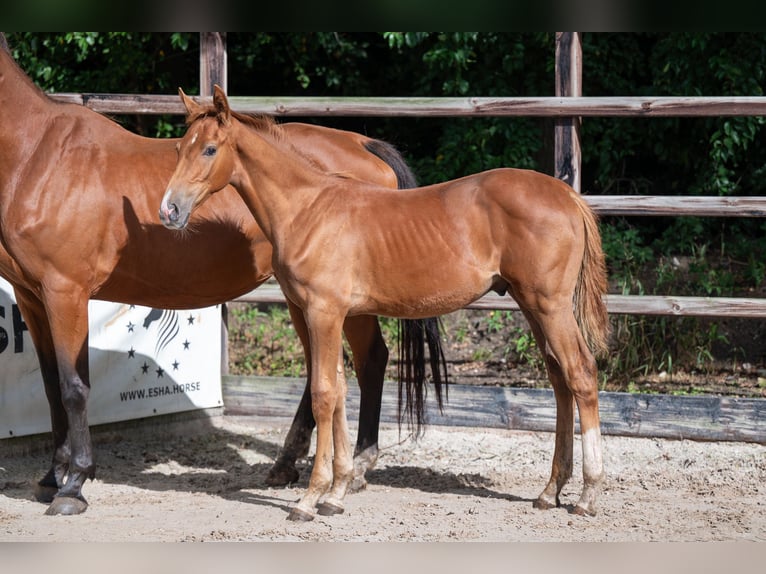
(212, 62)
(213, 70)
(567, 130)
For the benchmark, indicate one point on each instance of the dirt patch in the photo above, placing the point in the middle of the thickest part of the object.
(207, 484)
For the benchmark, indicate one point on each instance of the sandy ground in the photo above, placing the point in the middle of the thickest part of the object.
(453, 484)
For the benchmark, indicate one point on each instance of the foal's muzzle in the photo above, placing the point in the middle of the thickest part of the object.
(170, 216)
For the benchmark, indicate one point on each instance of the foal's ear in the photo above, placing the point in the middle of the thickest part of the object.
(221, 104)
(192, 107)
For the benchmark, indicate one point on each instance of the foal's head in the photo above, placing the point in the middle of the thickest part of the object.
(205, 159)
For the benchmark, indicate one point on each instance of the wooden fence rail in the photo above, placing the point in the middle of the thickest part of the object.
(567, 108)
(702, 418)
(270, 293)
(614, 106)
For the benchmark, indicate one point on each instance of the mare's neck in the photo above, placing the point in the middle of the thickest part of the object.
(18, 93)
(274, 180)
(23, 106)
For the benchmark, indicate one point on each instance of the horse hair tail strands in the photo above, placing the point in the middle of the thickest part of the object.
(590, 308)
(413, 338)
(405, 177)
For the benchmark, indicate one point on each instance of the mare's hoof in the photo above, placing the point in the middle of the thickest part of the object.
(281, 475)
(299, 515)
(45, 494)
(359, 483)
(329, 509)
(582, 511)
(66, 506)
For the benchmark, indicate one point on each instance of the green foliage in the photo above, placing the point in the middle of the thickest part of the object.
(714, 156)
(273, 346)
(112, 62)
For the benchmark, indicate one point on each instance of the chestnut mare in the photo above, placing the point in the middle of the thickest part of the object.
(426, 252)
(78, 220)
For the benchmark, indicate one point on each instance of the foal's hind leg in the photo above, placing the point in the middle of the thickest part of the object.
(572, 370)
(561, 470)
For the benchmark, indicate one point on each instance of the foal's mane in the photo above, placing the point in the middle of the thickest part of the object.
(267, 125)
(262, 123)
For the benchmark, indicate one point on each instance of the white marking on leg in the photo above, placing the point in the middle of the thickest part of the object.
(593, 464)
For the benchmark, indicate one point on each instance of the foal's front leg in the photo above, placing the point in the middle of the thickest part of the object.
(328, 405)
(343, 473)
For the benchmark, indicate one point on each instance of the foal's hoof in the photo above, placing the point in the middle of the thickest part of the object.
(45, 494)
(282, 474)
(299, 515)
(67, 506)
(329, 509)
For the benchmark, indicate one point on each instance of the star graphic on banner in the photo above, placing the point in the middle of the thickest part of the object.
(186, 345)
(130, 327)
(132, 353)
(144, 368)
(176, 364)
(160, 372)
(191, 319)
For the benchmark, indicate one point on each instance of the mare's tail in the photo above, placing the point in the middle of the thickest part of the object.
(414, 335)
(590, 308)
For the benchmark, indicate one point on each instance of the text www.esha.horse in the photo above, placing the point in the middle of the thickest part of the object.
(342, 248)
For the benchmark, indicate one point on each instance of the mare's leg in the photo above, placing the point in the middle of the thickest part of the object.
(68, 318)
(298, 438)
(569, 359)
(325, 343)
(36, 320)
(370, 356)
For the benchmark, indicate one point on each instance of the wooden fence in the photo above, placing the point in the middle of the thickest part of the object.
(566, 107)
(703, 418)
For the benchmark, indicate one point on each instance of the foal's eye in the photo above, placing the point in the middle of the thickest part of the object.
(209, 151)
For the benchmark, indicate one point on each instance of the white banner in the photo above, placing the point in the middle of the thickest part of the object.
(143, 362)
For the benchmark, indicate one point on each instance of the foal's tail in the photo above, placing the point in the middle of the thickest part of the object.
(590, 308)
(414, 335)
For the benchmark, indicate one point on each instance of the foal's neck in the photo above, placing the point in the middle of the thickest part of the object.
(276, 181)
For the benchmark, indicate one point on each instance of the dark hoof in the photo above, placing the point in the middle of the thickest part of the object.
(66, 506)
(282, 475)
(358, 484)
(329, 509)
(45, 494)
(580, 511)
(298, 515)
(542, 504)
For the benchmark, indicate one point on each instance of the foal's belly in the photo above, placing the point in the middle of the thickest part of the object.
(424, 299)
